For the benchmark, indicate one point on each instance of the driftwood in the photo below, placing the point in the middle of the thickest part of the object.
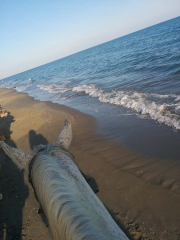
(72, 209)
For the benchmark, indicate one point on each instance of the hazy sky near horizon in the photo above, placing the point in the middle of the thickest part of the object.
(33, 32)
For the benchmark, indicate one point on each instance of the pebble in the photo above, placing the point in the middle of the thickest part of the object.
(1, 197)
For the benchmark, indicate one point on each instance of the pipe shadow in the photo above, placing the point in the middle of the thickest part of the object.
(92, 183)
(12, 187)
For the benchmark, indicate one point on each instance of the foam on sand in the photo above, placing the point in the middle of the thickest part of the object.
(162, 108)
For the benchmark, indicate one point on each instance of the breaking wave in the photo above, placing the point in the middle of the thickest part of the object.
(55, 88)
(162, 108)
(4, 84)
(22, 88)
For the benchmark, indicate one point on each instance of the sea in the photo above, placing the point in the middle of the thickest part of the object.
(131, 85)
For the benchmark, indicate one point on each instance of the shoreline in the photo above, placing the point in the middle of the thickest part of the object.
(144, 203)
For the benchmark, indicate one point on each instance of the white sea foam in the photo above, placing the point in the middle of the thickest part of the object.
(4, 84)
(12, 85)
(21, 88)
(142, 103)
(55, 88)
(162, 108)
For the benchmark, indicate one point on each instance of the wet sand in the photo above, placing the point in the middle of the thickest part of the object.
(142, 193)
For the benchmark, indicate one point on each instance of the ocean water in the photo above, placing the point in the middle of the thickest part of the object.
(137, 75)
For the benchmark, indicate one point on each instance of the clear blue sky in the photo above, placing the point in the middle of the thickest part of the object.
(35, 32)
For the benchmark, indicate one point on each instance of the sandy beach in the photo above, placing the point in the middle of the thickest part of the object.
(141, 193)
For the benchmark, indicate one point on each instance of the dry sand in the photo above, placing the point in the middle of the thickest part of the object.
(143, 200)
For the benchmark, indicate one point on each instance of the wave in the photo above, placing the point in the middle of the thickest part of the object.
(22, 88)
(162, 108)
(55, 88)
(4, 84)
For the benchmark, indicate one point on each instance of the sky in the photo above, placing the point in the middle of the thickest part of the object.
(35, 32)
